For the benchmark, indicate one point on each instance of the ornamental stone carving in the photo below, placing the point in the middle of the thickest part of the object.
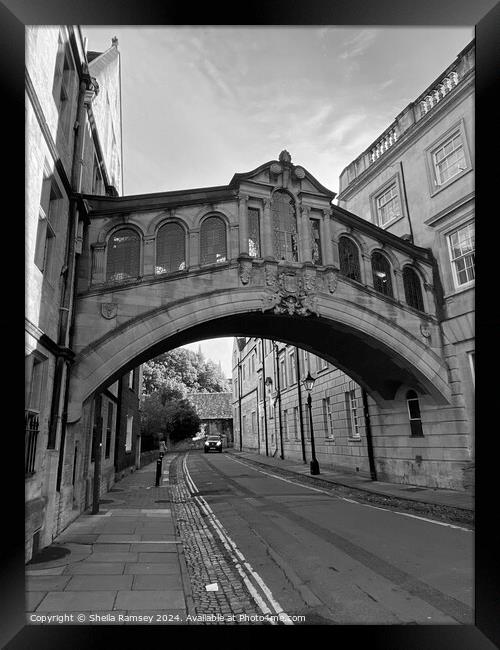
(245, 269)
(109, 310)
(290, 291)
(425, 330)
(331, 280)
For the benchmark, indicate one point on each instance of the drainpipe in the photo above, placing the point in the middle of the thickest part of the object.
(88, 88)
(369, 441)
(275, 347)
(239, 401)
(299, 395)
(264, 395)
(97, 434)
(257, 416)
(440, 307)
(406, 200)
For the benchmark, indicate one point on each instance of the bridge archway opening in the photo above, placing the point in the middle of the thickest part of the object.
(367, 361)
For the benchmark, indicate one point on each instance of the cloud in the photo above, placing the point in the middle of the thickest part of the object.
(358, 44)
(318, 119)
(215, 76)
(343, 127)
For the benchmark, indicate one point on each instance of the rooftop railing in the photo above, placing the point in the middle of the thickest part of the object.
(413, 113)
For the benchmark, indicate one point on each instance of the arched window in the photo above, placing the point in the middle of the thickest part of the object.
(349, 259)
(414, 413)
(413, 289)
(213, 241)
(381, 271)
(170, 249)
(124, 251)
(284, 222)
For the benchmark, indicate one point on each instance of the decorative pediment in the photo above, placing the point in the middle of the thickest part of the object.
(284, 173)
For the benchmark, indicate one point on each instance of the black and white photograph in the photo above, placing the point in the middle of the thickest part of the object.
(249, 325)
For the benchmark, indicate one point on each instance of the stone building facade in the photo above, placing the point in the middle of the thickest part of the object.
(417, 181)
(73, 136)
(270, 406)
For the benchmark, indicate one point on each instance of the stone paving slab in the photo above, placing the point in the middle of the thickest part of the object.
(95, 568)
(157, 537)
(34, 598)
(172, 568)
(155, 558)
(51, 571)
(118, 538)
(157, 582)
(83, 601)
(113, 527)
(151, 600)
(157, 511)
(112, 547)
(108, 556)
(99, 582)
(154, 547)
(77, 538)
(46, 583)
(157, 526)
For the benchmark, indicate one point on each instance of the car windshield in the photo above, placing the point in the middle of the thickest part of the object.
(213, 438)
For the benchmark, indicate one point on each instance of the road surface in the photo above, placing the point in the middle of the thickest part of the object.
(332, 560)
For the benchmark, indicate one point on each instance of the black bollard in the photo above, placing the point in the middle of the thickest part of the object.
(158, 472)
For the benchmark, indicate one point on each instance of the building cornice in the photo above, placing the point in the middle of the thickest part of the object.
(101, 206)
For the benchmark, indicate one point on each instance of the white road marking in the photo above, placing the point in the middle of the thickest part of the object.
(441, 523)
(233, 550)
(359, 503)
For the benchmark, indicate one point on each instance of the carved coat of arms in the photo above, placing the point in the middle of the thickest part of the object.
(289, 293)
(109, 310)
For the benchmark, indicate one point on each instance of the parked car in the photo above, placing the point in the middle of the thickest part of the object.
(213, 443)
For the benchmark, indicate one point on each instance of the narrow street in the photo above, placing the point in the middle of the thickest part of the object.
(329, 559)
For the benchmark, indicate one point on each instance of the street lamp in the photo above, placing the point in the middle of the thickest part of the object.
(309, 384)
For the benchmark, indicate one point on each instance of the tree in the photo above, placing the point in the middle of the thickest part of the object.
(182, 421)
(173, 418)
(183, 368)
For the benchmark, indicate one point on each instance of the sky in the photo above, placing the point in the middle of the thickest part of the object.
(200, 104)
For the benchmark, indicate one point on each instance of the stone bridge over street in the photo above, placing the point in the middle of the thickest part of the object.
(267, 255)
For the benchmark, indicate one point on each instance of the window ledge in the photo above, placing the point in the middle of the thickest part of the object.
(350, 439)
(438, 188)
(391, 223)
(457, 292)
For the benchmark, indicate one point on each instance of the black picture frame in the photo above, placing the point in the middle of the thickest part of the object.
(485, 15)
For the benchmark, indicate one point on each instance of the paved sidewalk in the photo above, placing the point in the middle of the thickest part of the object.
(457, 505)
(125, 561)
